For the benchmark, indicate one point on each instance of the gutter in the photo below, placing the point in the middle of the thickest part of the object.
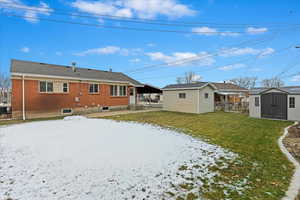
(294, 186)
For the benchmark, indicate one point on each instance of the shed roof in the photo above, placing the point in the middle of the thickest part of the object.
(287, 89)
(37, 68)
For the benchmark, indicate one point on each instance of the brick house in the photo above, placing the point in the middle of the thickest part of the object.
(43, 90)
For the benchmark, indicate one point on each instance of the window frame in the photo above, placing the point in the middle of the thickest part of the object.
(206, 95)
(124, 89)
(256, 101)
(46, 86)
(292, 104)
(114, 90)
(63, 87)
(93, 88)
(182, 95)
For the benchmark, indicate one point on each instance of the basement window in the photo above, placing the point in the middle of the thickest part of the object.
(182, 95)
(94, 88)
(67, 111)
(292, 102)
(46, 86)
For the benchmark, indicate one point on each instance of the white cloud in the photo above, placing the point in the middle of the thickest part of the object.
(30, 13)
(244, 51)
(25, 49)
(58, 53)
(183, 58)
(135, 60)
(110, 50)
(135, 8)
(207, 31)
(196, 78)
(266, 51)
(296, 78)
(253, 30)
(232, 67)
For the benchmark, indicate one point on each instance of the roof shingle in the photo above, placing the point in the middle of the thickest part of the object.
(36, 68)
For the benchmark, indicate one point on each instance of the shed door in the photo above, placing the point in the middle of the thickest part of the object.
(274, 105)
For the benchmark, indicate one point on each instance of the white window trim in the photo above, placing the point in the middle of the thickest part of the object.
(67, 88)
(125, 89)
(97, 86)
(118, 94)
(46, 87)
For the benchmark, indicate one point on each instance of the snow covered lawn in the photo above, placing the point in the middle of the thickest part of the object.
(79, 158)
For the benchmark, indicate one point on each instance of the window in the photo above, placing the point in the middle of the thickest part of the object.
(94, 88)
(131, 91)
(122, 90)
(46, 86)
(206, 95)
(292, 102)
(67, 111)
(182, 96)
(65, 87)
(113, 90)
(256, 101)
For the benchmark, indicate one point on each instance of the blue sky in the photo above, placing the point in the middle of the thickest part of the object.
(228, 39)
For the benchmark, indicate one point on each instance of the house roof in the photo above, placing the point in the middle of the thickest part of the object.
(224, 87)
(287, 89)
(228, 87)
(44, 69)
(185, 86)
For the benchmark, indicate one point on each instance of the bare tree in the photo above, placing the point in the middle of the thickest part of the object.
(274, 82)
(189, 77)
(245, 82)
(4, 80)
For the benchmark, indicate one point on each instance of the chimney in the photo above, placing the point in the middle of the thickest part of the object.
(74, 66)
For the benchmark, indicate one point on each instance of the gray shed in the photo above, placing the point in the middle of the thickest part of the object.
(275, 103)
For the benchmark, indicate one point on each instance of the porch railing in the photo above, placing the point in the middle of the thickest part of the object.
(242, 107)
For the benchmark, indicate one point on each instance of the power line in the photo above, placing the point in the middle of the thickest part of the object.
(193, 58)
(119, 27)
(230, 64)
(143, 20)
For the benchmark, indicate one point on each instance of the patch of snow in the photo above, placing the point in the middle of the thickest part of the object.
(75, 117)
(80, 158)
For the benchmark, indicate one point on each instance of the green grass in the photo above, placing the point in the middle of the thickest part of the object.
(255, 140)
(17, 121)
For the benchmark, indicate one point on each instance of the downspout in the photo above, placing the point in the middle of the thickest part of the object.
(23, 97)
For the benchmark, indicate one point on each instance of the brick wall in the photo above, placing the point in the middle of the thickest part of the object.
(51, 102)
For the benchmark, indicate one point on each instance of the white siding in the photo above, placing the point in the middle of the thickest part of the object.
(173, 103)
(254, 111)
(206, 105)
(195, 101)
(294, 113)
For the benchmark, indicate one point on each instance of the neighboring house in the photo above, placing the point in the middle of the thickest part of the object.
(200, 97)
(275, 103)
(40, 89)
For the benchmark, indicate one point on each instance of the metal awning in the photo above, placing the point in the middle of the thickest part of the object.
(230, 93)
